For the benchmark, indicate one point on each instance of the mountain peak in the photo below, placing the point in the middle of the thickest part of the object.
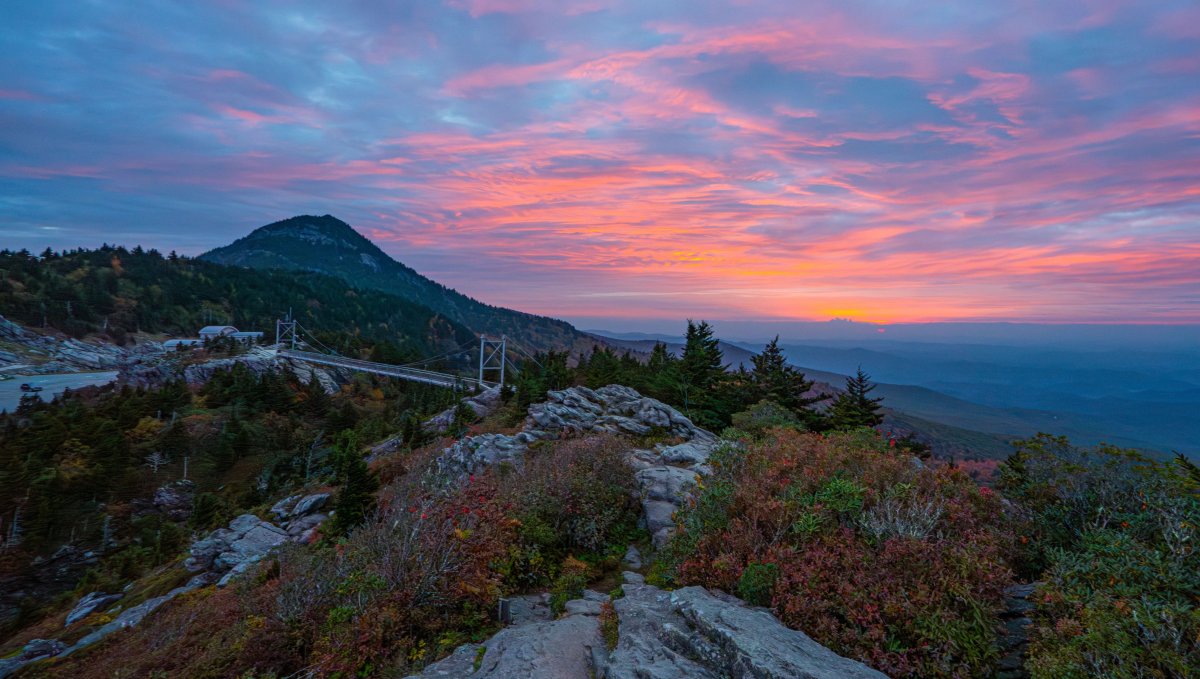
(327, 245)
(323, 231)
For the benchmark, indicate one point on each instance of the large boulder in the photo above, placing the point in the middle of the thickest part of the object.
(687, 634)
(42, 648)
(696, 634)
(309, 504)
(613, 409)
(558, 649)
(664, 490)
(231, 551)
(90, 602)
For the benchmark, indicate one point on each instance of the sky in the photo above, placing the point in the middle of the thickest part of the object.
(887, 161)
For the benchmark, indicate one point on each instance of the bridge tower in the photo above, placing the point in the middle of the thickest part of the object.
(492, 356)
(285, 329)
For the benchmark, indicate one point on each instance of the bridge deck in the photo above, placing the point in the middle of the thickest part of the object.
(410, 374)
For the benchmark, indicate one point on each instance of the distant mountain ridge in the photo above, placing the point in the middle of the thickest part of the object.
(330, 246)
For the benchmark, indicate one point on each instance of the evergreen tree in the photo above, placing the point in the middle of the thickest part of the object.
(662, 375)
(855, 407)
(1012, 476)
(699, 376)
(603, 368)
(316, 401)
(359, 484)
(773, 379)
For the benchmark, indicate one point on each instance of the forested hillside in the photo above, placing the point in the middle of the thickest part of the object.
(330, 246)
(116, 292)
(114, 482)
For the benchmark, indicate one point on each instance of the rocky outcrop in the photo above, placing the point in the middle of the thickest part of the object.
(164, 366)
(301, 516)
(698, 634)
(614, 409)
(135, 614)
(229, 552)
(175, 499)
(47, 353)
(535, 646)
(666, 474)
(690, 633)
(557, 649)
(145, 364)
(90, 602)
(482, 404)
(36, 649)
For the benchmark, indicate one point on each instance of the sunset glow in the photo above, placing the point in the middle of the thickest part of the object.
(879, 161)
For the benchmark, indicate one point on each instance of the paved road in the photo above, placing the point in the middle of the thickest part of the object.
(53, 385)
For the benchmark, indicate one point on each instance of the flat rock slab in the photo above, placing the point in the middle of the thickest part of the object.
(693, 633)
(753, 643)
(561, 649)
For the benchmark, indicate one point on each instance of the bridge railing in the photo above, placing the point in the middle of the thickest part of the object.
(412, 374)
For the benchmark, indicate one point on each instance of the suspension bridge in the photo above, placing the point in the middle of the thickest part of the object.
(493, 359)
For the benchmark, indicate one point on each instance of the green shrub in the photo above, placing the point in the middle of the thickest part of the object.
(1117, 535)
(757, 583)
(609, 625)
(764, 415)
(574, 497)
(572, 578)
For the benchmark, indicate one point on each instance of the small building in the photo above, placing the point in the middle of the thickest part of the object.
(211, 332)
(172, 344)
(214, 331)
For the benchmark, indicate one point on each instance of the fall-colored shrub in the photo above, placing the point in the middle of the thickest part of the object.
(576, 498)
(871, 553)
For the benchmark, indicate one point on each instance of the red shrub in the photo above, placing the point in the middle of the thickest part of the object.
(879, 558)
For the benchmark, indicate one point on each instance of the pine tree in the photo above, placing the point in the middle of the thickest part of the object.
(854, 407)
(1012, 475)
(660, 358)
(316, 401)
(773, 379)
(603, 368)
(699, 376)
(359, 484)
(662, 377)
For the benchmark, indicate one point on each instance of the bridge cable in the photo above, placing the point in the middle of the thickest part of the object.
(527, 354)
